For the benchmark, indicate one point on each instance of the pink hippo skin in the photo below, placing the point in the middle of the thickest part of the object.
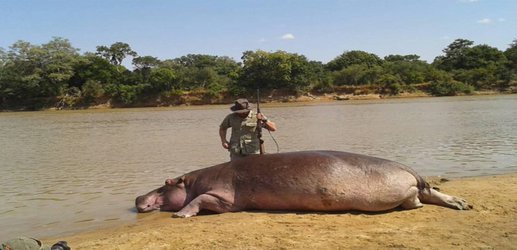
(300, 181)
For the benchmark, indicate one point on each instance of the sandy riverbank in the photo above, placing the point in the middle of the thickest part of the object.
(491, 224)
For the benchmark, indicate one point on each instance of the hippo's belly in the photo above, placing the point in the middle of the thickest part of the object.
(327, 184)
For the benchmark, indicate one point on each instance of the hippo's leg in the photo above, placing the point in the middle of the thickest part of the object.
(204, 201)
(432, 196)
(412, 201)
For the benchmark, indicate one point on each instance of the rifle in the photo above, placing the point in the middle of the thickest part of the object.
(259, 126)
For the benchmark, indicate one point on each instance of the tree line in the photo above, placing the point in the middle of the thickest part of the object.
(55, 74)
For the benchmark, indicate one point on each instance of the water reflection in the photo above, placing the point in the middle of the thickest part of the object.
(74, 170)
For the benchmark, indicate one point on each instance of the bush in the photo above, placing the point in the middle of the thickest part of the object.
(449, 88)
(214, 89)
(69, 99)
(393, 89)
(390, 84)
(323, 87)
(91, 90)
(356, 75)
(127, 94)
(237, 90)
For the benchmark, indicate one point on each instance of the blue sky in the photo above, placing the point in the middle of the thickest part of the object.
(319, 29)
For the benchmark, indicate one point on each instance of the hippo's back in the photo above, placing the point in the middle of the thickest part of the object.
(320, 180)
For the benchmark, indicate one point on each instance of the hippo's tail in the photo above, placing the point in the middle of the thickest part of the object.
(421, 183)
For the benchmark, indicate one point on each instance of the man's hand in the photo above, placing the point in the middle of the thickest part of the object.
(260, 116)
(269, 125)
(226, 144)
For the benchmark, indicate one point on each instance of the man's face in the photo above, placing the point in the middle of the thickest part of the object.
(243, 115)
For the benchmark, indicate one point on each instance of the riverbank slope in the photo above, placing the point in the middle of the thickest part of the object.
(199, 99)
(492, 223)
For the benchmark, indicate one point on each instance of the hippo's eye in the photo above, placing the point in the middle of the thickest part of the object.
(180, 180)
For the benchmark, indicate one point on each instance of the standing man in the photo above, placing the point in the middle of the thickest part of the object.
(243, 121)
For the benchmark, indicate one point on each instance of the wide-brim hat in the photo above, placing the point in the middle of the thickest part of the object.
(241, 106)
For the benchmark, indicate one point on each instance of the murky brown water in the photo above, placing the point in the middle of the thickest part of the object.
(69, 171)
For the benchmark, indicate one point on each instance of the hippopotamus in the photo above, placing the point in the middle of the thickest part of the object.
(297, 181)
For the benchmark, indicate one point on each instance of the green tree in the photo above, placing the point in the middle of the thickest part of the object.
(116, 53)
(162, 79)
(143, 66)
(408, 68)
(58, 60)
(91, 91)
(128, 94)
(4, 89)
(354, 57)
(357, 74)
(145, 62)
(322, 81)
(402, 58)
(91, 67)
(277, 70)
(195, 71)
(390, 84)
(221, 65)
(481, 66)
(510, 75)
(511, 55)
(482, 56)
(32, 71)
(434, 74)
(449, 88)
(455, 55)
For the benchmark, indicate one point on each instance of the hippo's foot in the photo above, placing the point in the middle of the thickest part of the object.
(180, 215)
(459, 203)
(432, 196)
(187, 211)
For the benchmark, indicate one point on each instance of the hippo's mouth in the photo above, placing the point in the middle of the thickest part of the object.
(163, 205)
(158, 203)
(150, 205)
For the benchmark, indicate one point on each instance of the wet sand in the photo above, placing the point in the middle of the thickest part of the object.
(491, 224)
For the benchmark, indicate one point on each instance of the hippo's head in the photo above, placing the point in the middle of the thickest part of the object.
(169, 197)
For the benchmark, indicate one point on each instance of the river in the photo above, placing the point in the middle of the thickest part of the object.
(69, 171)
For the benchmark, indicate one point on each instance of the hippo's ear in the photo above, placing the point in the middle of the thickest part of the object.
(170, 182)
(180, 182)
(175, 182)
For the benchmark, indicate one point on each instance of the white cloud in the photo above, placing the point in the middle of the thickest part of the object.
(469, 1)
(501, 20)
(485, 21)
(262, 40)
(287, 36)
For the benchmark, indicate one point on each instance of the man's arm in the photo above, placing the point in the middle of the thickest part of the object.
(269, 125)
(222, 134)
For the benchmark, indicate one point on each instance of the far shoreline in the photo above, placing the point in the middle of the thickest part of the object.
(306, 98)
(282, 99)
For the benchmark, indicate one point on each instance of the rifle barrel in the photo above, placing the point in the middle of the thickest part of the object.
(259, 126)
